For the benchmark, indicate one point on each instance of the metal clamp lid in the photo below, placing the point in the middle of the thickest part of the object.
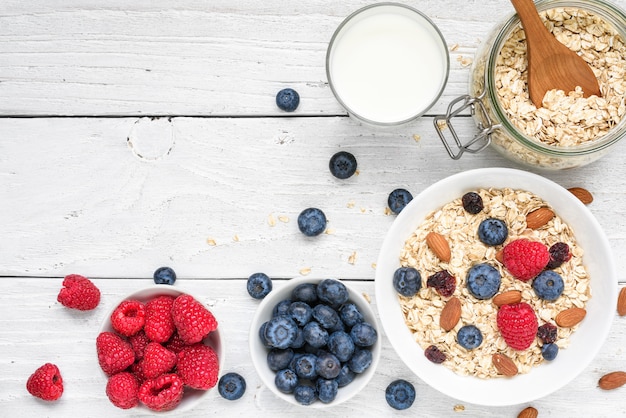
(485, 127)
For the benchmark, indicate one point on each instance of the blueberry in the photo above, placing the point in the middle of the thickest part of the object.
(345, 377)
(259, 285)
(305, 366)
(400, 394)
(332, 292)
(548, 285)
(278, 359)
(280, 332)
(341, 345)
(407, 281)
(469, 337)
(483, 281)
(281, 308)
(327, 365)
(398, 199)
(350, 314)
(262, 335)
(492, 231)
(549, 351)
(315, 334)
(326, 390)
(231, 386)
(342, 165)
(363, 334)
(305, 292)
(360, 361)
(287, 100)
(164, 275)
(311, 222)
(472, 202)
(286, 380)
(300, 312)
(326, 316)
(304, 394)
(299, 341)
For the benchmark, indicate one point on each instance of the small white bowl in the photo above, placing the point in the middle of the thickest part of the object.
(584, 343)
(258, 352)
(191, 397)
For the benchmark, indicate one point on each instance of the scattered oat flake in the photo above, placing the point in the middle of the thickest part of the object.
(236, 238)
(304, 271)
(387, 211)
(329, 231)
(363, 210)
(374, 266)
(357, 172)
(350, 204)
(454, 47)
(352, 258)
(211, 242)
(367, 297)
(465, 61)
(417, 137)
(271, 221)
(459, 408)
(283, 218)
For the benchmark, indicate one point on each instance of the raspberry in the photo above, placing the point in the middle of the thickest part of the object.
(517, 324)
(525, 259)
(198, 366)
(547, 333)
(163, 393)
(114, 353)
(175, 344)
(434, 354)
(79, 293)
(193, 321)
(159, 326)
(129, 317)
(139, 342)
(122, 390)
(156, 361)
(46, 383)
(443, 282)
(559, 254)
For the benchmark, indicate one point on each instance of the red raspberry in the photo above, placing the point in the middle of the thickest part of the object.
(163, 393)
(525, 259)
(79, 293)
(175, 344)
(159, 325)
(46, 383)
(156, 361)
(198, 366)
(123, 390)
(517, 324)
(129, 317)
(114, 353)
(139, 342)
(193, 321)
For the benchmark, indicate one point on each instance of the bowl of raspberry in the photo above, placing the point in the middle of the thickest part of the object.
(314, 342)
(159, 349)
(496, 286)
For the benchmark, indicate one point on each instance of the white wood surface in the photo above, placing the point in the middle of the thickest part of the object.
(93, 181)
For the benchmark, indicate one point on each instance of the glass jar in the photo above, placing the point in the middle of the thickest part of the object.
(494, 124)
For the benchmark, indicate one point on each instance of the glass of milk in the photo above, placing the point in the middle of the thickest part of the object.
(387, 64)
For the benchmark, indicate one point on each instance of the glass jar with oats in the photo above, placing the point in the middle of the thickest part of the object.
(569, 130)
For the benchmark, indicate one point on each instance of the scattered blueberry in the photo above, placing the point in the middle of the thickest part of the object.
(315, 334)
(400, 394)
(443, 282)
(492, 231)
(280, 332)
(326, 390)
(164, 275)
(469, 337)
(300, 312)
(341, 344)
(286, 380)
(350, 314)
(472, 203)
(548, 285)
(483, 281)
(361, 360)
(342, 165)
(281, 308)
(327, 365)
(305, 292)
(434, 354)
(559, 254)
(345, 377)
(326, 316)
(259, 285)
(304, 394)
(287, 99)
(363, 334)
(407, 281)
(332, 292)
(547, 333)
(278, 359)
(311, 222)
(398, 199)
(231, 386)
(549, 351)
(305, 366)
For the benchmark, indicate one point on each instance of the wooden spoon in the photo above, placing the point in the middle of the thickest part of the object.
(551, 65)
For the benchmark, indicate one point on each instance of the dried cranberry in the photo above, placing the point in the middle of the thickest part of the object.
(443, 282)
(472, 202)
(559, 254)
(547, 333)
(434, 354)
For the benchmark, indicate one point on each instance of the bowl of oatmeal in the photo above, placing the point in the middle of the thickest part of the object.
(562, 327)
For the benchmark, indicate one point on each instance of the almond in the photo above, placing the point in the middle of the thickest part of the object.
(529, 412)
(508, 298)
(621, 302)
(583, 195)
(612, 380)
(450, 314)
(539, 217)
(500, 256)
(439, 245)
(570, 317)
(504, 365)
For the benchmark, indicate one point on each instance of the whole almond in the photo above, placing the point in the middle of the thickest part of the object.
(504, 365)
(439, 245)
(570, 317)
(583, 195)
(621, 302)
(539, 217)
(450, 314)
(612, 380)
(529, 412)
(500, 256)
(508, 298)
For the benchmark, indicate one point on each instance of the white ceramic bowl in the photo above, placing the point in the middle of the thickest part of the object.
(547, 377)
(191, 397)
(258, 352)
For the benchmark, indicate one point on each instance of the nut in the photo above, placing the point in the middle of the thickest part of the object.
(508, 298)
(500, 256)
(439, 245)
(450, 314)
(529, 412)
(539, 217)
(621, 302)
(570, 317)
(504, 365)
(583, 195)
(612, 380)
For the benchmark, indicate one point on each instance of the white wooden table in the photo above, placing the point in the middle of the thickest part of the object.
(140, 134)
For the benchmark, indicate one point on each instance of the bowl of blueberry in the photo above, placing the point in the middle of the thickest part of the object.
(315, 342)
